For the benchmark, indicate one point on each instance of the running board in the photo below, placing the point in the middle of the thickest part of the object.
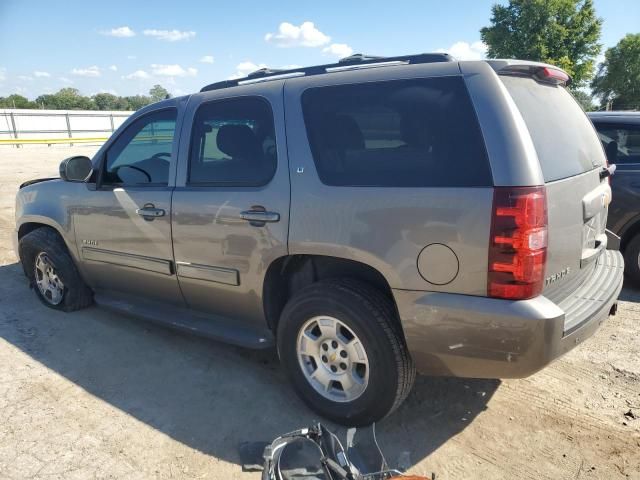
(178, 318)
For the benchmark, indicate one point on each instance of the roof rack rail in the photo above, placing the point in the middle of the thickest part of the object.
(355, 61)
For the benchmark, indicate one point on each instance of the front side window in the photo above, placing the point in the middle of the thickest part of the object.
(401, 133)
(233, 143)
(621, 142)
(142, 154)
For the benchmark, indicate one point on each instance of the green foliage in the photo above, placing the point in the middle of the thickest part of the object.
(66, 99)
(158, 92)
(136, 102)
(16, 101)
(107, 101)
(560, 32)
(618, 78)
(71, 99)
(585, 100)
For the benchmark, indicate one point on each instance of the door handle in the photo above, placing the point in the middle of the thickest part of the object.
(149, 212)
(591, 254)
(258, 216)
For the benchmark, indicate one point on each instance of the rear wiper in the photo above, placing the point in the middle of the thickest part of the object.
(607, 171)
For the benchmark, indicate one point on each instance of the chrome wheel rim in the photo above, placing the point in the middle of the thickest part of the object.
(333, 359)
(47, 280)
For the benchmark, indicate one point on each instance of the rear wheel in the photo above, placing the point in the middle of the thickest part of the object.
(51, 271)
(342, 347)
(632, 259)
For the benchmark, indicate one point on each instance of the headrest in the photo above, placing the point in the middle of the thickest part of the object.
(415, 131)
(237, 141)
(342, 132)
(611, 150)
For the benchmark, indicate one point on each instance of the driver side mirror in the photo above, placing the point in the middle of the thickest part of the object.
(76, 169)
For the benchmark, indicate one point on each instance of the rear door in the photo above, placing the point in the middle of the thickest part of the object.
(571, 158)
(230, 210)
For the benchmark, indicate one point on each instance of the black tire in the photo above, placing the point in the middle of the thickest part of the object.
(632, 260)
(77, 294)
(373, 319)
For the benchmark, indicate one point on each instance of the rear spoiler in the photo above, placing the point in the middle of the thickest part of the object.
(542, 72)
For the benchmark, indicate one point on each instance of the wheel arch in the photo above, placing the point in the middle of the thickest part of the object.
(628, 232)
(31, 223)
(288, 274)
(29, 227)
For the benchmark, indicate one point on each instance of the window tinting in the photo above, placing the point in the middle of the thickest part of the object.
(404, 133)
(621, 142)
(562, 134)
(142, 153)
(233, 143)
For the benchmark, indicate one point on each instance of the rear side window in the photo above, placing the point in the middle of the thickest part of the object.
(233, 143)
(563, 136)
(401, 133)
(621, 142)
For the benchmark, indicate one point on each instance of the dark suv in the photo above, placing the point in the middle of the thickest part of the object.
(368, 218)
(619, 133)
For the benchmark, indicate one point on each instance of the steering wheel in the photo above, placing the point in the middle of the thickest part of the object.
(144, 172)
(161, 154)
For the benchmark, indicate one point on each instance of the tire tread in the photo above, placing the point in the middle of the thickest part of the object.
(78, 295)
(383, 310)
(378, 308)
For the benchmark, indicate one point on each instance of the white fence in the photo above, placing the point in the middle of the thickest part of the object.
(21, 126)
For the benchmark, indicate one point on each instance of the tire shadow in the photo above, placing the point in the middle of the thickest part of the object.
(204, 394)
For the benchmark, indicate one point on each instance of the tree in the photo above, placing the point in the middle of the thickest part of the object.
(66, 99)
(585, 100)
(71, 99)
(560, 32)
(618, 79)
(136, 102)
(105, 101)
(16, 101)
(158, 92)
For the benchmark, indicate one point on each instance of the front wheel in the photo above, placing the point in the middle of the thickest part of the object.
(51, 271)
(342, 347)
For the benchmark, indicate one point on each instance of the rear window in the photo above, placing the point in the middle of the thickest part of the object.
(402, 133)
(621, 142)
(563, 136)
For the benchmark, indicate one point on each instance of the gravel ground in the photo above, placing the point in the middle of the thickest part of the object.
(97, 395)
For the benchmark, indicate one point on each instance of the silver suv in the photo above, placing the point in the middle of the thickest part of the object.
(368, 218)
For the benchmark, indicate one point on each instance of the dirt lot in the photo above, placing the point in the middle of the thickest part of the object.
(98, 395)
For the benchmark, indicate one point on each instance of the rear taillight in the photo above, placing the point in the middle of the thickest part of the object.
(546, 74)
(553, 75)
(518, 243)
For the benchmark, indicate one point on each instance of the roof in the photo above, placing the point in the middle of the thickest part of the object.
(616, 116)
(352, 62)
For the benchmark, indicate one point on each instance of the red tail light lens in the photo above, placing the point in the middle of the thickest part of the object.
(553, 75)
(518, 243)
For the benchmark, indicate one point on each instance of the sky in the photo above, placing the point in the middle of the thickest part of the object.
(125, 47)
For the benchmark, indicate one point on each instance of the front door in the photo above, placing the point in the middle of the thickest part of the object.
(124, 229)
(231, 206)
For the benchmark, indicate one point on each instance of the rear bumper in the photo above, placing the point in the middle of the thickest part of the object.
(467, 336)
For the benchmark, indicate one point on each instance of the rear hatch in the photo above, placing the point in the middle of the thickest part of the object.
(572, 159)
